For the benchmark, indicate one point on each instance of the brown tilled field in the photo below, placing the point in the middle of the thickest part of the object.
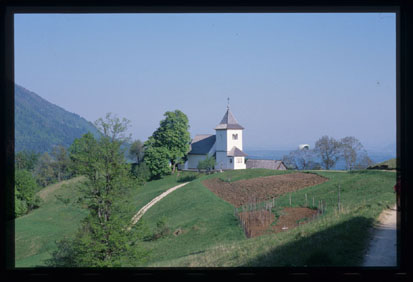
(242, 192)
(256, 223)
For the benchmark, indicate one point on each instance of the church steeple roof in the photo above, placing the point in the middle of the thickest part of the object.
(228, 122)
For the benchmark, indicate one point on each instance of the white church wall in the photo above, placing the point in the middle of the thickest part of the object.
(239, 163)
(193, 160)
(234, 138)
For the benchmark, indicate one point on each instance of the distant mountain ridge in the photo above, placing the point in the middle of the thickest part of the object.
(41, 125)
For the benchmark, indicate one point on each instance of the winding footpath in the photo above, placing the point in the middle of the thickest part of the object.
(143, 210)
(383, 247)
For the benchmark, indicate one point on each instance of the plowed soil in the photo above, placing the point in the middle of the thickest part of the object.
(256, 223)
(241, 192)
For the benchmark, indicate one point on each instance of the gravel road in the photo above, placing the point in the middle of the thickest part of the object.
(383, 247)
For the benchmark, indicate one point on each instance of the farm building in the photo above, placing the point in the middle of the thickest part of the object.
(269, 164)
(225, 146)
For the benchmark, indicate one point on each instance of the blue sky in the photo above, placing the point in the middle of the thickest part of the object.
(291, 78)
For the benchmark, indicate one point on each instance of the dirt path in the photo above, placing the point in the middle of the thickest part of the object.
(143, 210)
(383, 246)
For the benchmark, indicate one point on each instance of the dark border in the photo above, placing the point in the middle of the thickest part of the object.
(404, 104)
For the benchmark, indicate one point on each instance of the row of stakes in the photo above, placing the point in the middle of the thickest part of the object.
(267, 207)
(321, 207)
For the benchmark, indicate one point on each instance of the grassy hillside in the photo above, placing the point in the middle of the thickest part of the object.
(39, 124)
(211, 236)
(389, 164)
(36, 232)
(205, 231)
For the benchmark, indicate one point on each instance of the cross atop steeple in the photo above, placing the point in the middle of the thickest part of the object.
(228, 103)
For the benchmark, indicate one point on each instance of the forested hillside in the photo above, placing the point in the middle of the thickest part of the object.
(40, 125)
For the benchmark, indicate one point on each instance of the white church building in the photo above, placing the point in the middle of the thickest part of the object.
(225, 146)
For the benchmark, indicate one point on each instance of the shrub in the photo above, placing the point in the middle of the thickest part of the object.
(207, 164)
(141, 172)
(162, 229)
(187, 177)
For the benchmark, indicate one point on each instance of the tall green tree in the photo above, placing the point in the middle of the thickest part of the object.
(25, 189)
(157, 160)
(103, 239)
(84, 155)
(173, 136)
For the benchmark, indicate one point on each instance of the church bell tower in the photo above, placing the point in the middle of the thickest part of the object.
(229, 154)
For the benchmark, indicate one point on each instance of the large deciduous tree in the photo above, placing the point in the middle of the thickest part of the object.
(103, 239)
(173, 136)
(157, 160)
(328, 149)
(301, 159)
(353, 153)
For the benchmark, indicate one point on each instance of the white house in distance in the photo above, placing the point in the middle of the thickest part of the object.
(225, 145)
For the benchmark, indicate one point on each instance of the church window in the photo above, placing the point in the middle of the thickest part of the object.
(230, 160)
(239, 160)
(234, 136)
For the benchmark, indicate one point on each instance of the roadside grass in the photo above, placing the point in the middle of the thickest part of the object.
(334, 239)
(36, 232)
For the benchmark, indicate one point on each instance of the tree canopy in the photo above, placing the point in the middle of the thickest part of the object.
(170, 142)
(102, 239)
(25, 189)
(328, 149)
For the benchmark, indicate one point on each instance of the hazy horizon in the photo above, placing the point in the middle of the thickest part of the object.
(291, 78)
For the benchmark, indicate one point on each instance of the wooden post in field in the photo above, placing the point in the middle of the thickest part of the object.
(306, 203)
(339, 207)
(321, 207)
(313, 202)
(290, 199)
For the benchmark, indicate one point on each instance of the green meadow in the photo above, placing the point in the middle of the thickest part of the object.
(36, 232)
(203, 230)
